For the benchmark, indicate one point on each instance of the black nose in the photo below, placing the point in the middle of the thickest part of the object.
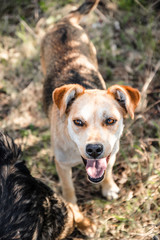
(94, 150)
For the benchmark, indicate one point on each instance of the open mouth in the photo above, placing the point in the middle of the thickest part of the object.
(95, 168)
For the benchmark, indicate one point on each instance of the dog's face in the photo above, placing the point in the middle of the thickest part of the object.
(95, 121)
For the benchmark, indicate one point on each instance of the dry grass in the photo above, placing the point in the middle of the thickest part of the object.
(127, 38)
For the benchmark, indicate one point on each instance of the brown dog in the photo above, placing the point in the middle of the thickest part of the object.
(86, 119)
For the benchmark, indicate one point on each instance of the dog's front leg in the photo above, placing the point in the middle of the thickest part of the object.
(110, 189)
(65, 174)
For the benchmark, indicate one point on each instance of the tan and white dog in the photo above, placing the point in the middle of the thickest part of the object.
(86, 119)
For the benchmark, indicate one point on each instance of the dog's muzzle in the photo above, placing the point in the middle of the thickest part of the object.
(95, 168)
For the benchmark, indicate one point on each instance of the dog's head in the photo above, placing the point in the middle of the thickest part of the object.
(95, 121)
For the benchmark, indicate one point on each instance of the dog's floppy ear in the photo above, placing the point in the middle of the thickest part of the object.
(65, 95)
(127, 97)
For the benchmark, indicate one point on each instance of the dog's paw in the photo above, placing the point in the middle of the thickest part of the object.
(111, 193)
(84, 224)
(87, 227)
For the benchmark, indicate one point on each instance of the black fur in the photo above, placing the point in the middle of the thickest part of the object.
(13, 152)
(88, 81)
(63, 32)
(28, 208)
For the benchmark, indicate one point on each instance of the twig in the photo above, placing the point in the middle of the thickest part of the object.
(150, 78)
(36, 10)
(154, 91)
(102, 15)
(151, 140)
(28, 28)
(140, 4)
(143, 103)
(151, 106)
(154, 4)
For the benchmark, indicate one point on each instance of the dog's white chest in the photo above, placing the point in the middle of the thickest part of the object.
(69, 156)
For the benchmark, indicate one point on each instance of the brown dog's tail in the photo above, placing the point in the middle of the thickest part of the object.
(84, 9)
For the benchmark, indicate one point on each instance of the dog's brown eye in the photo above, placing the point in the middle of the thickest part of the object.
(110, 121)
(78, 122)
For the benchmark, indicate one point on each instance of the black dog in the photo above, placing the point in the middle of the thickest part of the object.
(29, 210)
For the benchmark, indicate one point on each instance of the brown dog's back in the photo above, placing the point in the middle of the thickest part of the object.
(68, 56)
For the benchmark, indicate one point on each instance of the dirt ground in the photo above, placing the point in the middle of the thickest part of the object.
(126, 34)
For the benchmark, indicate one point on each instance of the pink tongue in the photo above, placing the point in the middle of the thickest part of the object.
(96, 167)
